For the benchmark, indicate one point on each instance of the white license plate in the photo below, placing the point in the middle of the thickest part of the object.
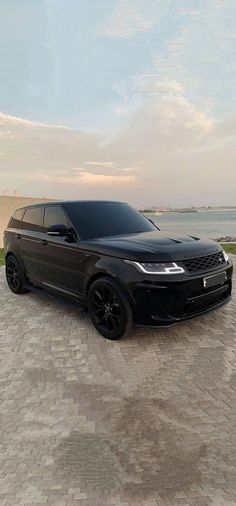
(217, 279)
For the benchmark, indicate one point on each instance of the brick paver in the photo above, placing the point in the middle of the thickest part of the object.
(146, 421)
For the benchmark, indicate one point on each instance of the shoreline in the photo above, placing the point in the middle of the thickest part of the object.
(187, 211)
(228, 239)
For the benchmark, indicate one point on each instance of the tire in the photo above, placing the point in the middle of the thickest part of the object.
(15, 275)
(109, 309)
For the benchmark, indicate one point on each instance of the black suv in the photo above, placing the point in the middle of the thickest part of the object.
(113, 260)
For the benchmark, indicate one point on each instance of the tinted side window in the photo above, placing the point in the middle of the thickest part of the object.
(54, 215)
(32, 219)
(15, 220)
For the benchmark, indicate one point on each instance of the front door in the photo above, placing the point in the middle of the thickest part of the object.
(58, 255)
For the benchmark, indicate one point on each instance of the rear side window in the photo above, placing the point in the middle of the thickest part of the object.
(15, 220)
(32, 219)
(54, 215)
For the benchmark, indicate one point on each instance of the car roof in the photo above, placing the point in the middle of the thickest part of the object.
(57, 202)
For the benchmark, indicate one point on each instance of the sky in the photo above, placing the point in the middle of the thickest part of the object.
(132, 100)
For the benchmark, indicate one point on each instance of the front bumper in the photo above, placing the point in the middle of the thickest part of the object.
(162, 302)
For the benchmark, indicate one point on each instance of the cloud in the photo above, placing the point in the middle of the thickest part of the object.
(126, 22)
(84, 177)
(169, 153)
(14, 121)
(134, 16)
(188, 156)
(152, 84)
(130, 169)
(33, 145)
(100, 164)
(37, 156)
(164, 127)
(109, 165)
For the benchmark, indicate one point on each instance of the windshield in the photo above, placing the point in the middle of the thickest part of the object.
(102, 219)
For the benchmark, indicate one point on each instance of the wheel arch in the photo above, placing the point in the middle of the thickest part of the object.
(104, 274)
(96, 276)
(11, 253)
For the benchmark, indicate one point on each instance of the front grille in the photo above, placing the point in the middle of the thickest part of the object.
(205, 263)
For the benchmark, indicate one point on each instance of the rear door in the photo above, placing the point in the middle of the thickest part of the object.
(58, 255)
(12, 234)
(29, 236)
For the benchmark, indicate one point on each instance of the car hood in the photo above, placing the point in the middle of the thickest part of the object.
(152, 246)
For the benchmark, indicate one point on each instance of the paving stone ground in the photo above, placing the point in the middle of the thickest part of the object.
(146, 421)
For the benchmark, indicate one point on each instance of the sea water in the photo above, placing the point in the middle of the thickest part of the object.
(211, 224)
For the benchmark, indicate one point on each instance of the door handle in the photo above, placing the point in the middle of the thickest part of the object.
(18, 236)
(44, 242)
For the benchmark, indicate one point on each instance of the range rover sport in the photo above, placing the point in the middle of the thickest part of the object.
(114, 261)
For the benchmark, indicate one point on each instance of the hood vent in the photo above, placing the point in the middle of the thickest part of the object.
(176, 241)
(194, 238)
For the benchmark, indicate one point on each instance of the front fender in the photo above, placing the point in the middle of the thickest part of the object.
(108, 266)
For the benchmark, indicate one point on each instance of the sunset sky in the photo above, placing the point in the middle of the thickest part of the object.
(126, 99)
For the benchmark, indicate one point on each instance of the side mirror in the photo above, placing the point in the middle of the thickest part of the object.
(58, 230)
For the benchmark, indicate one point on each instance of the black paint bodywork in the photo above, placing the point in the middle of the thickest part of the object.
(68, 266)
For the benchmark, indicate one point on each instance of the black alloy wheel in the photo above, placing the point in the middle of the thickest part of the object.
(110, 309)
(15, 276)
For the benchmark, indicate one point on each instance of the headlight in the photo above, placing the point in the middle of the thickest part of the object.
(157, 268)
(226, 257)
